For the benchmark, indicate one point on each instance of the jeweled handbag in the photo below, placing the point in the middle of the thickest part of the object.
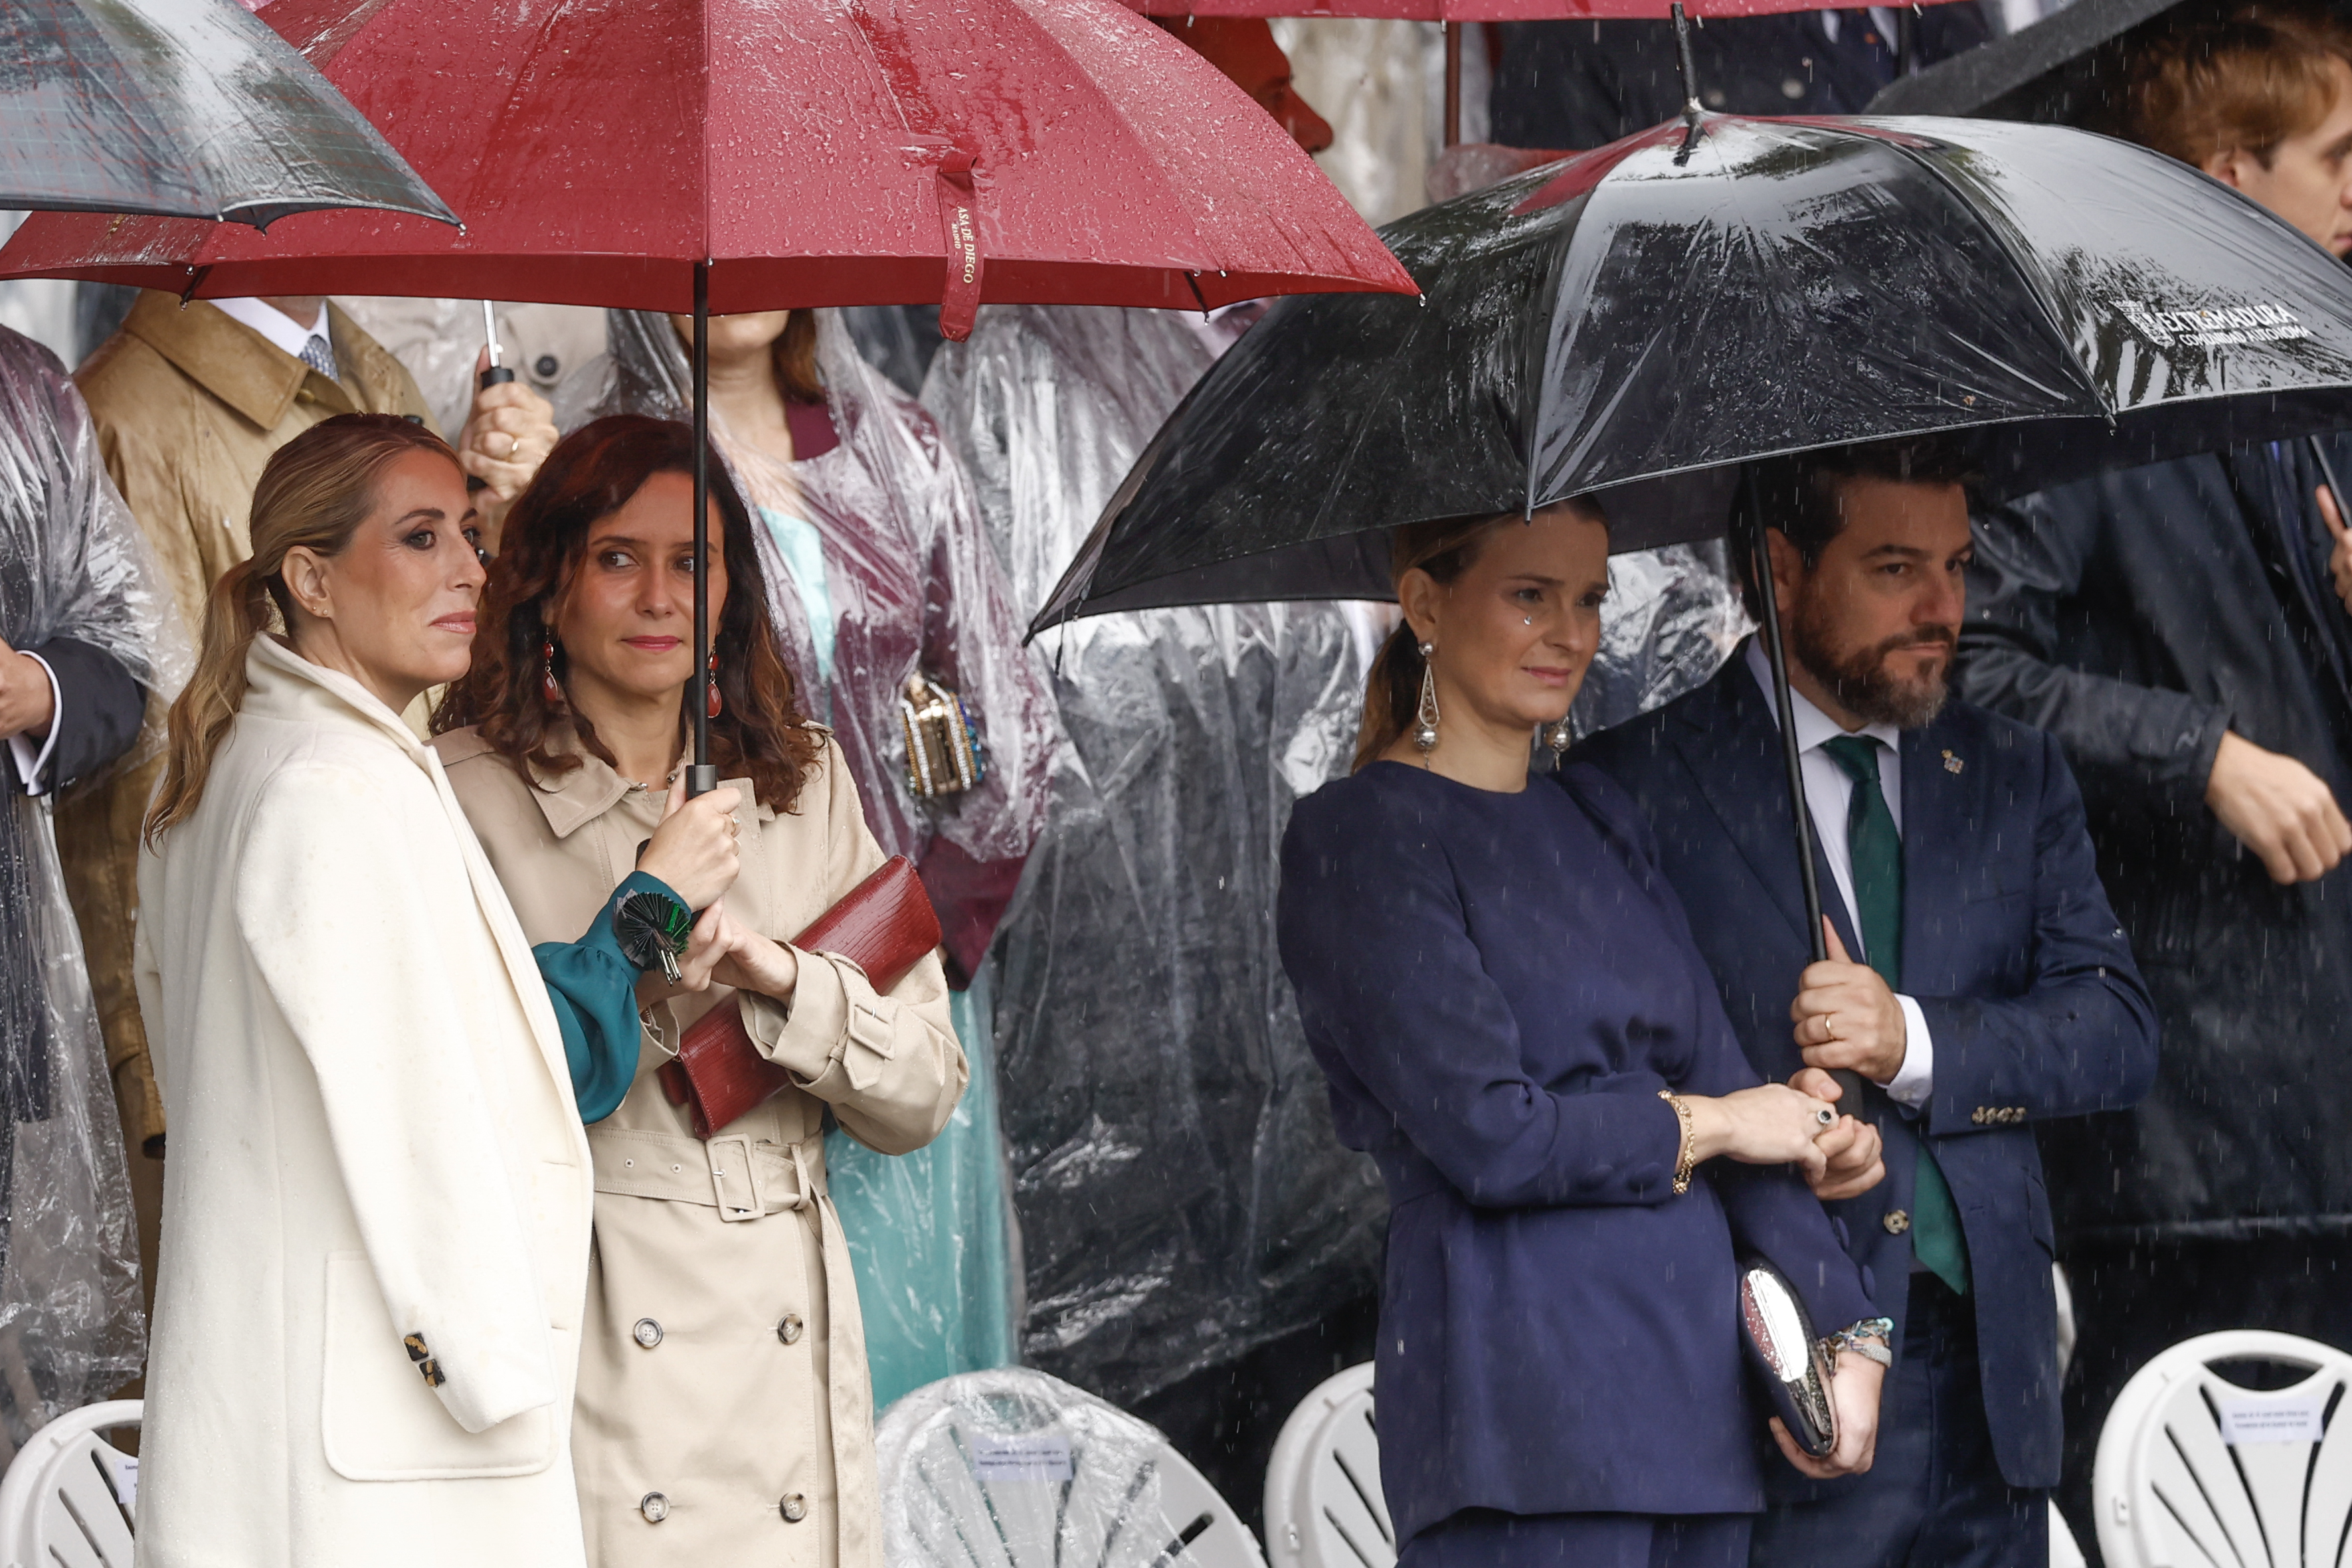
(943, 756)
(883, 926)
(1789, 1359)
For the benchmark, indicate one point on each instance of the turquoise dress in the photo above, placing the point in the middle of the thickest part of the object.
(928, 1232)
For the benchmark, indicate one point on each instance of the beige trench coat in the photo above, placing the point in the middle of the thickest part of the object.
(374, 1142)
(188, 402)
(723, 1365)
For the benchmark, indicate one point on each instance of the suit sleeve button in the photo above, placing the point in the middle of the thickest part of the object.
(1897, 1221)
(647, 1332)
(655, 1507)
(794, 1507)
(791, 1328)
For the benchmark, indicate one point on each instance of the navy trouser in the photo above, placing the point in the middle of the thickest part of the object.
(1484, 1538)
(1933, 1497)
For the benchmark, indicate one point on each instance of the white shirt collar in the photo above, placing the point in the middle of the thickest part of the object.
(276, 326)
(1813, 726)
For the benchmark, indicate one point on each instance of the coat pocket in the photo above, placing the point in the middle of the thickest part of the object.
(379, 1421)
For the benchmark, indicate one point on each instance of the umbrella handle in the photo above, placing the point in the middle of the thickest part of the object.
(1759, 559)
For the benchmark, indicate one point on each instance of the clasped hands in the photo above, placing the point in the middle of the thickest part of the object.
(694, 852)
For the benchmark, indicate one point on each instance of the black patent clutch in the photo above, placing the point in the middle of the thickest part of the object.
(1789, 1358)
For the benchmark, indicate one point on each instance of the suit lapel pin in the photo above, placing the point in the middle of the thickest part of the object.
(1952, 764)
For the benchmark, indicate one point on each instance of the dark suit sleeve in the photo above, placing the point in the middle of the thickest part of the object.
(2030, 557)
(1376, 945)
(99, 706)
(2083, 1037)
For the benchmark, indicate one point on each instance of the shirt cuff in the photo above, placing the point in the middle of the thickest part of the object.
(32, 763)
(1915, 1079)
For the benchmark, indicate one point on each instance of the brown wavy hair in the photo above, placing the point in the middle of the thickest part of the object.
(316, 490)
(2245, 82)
(760, 733)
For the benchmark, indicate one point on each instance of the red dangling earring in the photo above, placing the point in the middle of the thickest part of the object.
(548, 685)
(711, 704)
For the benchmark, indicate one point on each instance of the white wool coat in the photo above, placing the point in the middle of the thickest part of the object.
(376, 1210)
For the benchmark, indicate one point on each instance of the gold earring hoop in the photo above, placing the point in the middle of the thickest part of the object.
(1424, 728)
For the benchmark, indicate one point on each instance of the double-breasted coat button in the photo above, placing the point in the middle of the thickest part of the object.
(789, 1328)
(655, 1507)
(794, 1507)
(647, 1332)
(1897, 1221)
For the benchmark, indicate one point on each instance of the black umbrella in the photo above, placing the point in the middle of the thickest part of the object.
(1637, 322)
(183, 108)
(2057, 70)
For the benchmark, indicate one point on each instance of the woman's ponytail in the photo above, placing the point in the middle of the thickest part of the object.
(237, 611)
(314, 491)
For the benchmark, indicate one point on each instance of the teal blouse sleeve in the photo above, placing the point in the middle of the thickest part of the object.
(594, 990)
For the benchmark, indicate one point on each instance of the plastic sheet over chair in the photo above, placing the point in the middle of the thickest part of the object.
(1017, 1469)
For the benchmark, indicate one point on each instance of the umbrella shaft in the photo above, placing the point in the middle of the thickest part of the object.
(701, 778)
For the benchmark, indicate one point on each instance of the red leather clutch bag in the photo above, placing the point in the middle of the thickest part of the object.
(883, 926)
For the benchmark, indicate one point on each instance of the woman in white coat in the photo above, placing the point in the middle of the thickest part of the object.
(376, 1213)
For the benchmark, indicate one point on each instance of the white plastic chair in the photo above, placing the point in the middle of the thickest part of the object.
(1324, 1508)
(2195, 1471)
(68, 1498)
(1012, 1468)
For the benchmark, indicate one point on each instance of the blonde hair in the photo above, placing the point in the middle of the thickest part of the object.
(315, 491)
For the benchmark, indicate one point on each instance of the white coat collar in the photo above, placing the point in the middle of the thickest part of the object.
(282, 683)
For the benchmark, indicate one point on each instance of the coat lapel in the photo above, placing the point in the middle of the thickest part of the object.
(1939, 798)
(1732, 748)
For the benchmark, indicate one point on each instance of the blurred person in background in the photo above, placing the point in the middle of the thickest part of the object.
(1585, 84)
(2178, 628)
(87, 635)
(189, 401)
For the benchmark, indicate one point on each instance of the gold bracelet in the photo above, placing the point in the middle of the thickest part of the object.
(1690, 1141)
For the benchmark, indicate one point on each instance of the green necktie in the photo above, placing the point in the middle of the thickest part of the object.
(1877, 851)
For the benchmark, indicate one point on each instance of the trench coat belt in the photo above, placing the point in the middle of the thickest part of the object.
(747, 1181)
(741, 1179)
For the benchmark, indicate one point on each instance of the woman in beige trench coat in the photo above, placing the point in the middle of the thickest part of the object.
(724, 1415)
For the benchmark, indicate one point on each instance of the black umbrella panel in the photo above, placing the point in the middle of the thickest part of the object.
(190, 108)
(1635, 323)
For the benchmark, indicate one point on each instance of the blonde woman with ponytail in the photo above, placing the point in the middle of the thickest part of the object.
(1515, 1024)
(376, 1212)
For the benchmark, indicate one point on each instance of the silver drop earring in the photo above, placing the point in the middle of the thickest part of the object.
(1424, 729)
(1556, 737)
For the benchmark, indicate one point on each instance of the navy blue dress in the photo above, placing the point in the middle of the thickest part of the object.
(1498, 987)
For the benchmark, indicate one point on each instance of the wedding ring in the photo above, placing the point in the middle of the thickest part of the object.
(514, 445)
(1825, 1116)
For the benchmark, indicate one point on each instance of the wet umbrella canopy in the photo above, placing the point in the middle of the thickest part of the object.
(1672, 305)
(738, 155)
(181, 108)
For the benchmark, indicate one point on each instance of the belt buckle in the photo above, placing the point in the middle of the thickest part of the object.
(729, 1211)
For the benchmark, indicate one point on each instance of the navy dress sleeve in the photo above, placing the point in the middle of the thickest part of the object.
(594, 988)
(1769, 1208)
(1377, 948)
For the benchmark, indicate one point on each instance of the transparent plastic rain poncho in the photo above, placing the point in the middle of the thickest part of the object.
(72, 564)
(877, 567)
(1182, 1196)
(1018, 1469)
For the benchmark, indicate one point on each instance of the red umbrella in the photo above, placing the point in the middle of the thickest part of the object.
(738, 155)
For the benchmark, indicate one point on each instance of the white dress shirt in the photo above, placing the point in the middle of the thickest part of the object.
(1829, 794)
(31, 764)
(276, 326)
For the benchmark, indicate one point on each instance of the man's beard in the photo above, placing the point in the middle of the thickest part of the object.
(1859, 677)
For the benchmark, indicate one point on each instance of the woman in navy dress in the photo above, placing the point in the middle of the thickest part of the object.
(1517, 1026)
